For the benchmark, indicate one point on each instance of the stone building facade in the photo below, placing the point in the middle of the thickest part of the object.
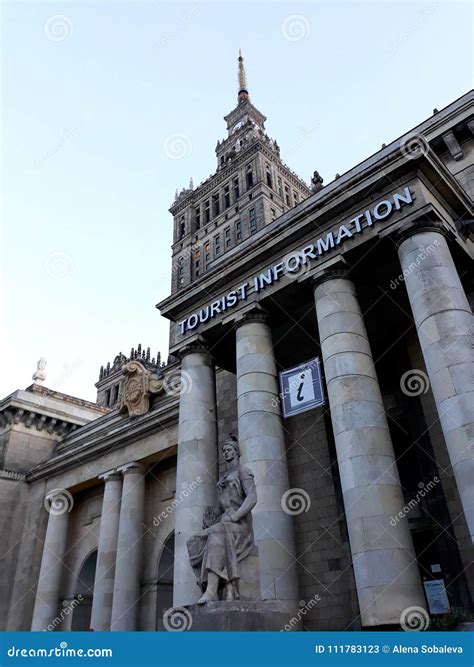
(372, 274)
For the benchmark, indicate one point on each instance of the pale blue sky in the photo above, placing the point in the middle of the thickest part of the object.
(90, 98)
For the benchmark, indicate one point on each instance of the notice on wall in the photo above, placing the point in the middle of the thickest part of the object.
(436, 596)
(301, 388)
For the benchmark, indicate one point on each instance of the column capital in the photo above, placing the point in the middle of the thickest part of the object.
(110, 476)
(133, 467)
(196, 344)
(256, 313)
(337, 270)
(418, 226)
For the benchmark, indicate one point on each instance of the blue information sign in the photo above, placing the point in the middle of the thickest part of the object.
(301, 387)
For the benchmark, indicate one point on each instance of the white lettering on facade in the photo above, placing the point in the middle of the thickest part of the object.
(292, 262)
(324, 245)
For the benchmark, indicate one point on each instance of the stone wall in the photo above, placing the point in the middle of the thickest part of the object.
(25, 569)
(462, 168)
(13, 508)
(445, 471)
(322, 546)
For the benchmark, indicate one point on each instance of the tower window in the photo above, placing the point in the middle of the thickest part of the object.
(273, 212)
(227, 238)
(249, 176)
(207, 212)
(253, 221)
(182, 227)
(280, 187)
(180, 271)
(198, 217)
(217, 245)
(295, 197)
(207, 254)
(268, 174)
(287, 195)
(226, 196)
(197, 262)
(238, 232)
(235, 184)
(215, 204)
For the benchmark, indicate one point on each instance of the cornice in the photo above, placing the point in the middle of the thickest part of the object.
(41, 392)
(41, 416)
(92, 446)
(12, 475)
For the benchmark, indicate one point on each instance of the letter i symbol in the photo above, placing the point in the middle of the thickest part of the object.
(299, 396)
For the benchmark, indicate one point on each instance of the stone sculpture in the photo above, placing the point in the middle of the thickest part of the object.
(136, 388)
(227, 536)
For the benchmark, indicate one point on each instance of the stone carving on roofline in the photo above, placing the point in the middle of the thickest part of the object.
(39, 376)
(136, 387)
(316, 182)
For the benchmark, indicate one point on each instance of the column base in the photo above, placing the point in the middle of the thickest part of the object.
(241, 616)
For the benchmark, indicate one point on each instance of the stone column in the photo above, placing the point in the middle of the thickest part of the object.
(129, 549)
(107, 552)
(263, 449)
(384, 561)
(197, 467)
(444, 323)
(49, 583)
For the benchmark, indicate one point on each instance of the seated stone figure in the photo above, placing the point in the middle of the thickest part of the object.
(227, 536)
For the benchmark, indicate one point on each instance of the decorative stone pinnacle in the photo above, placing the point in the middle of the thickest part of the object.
(39, 376)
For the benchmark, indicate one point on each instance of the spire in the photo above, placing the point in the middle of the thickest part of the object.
(243, 95)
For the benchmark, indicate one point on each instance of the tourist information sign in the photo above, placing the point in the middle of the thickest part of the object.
(301, 388)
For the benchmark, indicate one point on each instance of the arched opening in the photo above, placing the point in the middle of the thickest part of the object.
(164, 586)
(81, 618)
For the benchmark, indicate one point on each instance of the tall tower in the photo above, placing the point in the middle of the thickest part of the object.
(250, 188)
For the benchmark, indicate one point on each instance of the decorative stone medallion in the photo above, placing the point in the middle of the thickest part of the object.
(136, 388)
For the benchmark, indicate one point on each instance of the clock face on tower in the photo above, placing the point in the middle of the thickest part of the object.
(237, 126)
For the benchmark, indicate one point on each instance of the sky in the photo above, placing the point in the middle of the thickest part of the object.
(108, 107)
